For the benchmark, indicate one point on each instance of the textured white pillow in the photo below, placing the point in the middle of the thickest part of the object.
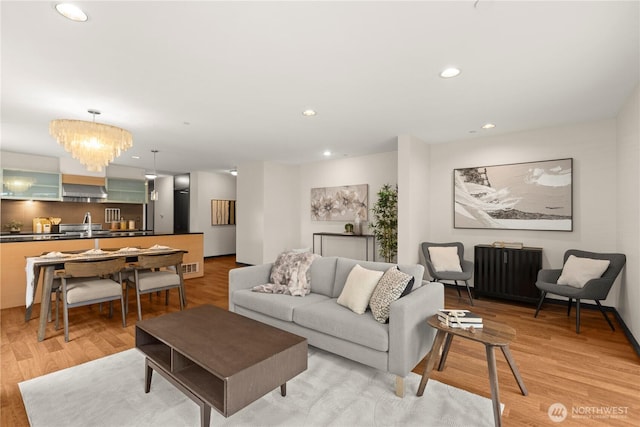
(358, 288)
(578, 271)
(445, 258)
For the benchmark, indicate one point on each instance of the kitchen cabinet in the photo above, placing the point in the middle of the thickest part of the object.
(507, 273)
(29, 185)
(122, 190)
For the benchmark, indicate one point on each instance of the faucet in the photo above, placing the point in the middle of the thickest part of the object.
(87, 220)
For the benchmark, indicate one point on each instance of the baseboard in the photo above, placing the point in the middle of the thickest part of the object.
(591, 306)
(627, 332)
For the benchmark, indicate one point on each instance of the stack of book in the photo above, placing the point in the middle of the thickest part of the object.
(459, 319)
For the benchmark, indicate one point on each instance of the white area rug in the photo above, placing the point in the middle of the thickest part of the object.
(332, 391)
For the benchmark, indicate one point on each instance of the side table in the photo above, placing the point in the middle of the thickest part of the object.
(492, 335)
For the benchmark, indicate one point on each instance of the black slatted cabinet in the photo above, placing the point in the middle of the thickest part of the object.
(507, 273)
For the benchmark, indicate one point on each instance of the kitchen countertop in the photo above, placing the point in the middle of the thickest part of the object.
(25, 237)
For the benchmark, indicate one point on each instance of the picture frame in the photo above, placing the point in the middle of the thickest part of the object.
(223, 212)
(343, 203)
(518, 196)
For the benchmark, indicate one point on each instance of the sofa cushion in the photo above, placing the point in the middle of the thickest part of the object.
(274, 305)
(333, 319)
(578, 271)
(390, 288)
(344, 266)
(323, 275)
(358, 289)
(445, 258)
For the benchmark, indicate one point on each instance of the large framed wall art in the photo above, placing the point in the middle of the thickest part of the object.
(519, 196)
(342, 203)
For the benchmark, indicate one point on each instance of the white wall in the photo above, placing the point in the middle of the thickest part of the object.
(414, 199)
(281, 213)
(267, 211)
(593, 149)
(628, 165)
(163, 208)
(207, 186)
(250, 213)
(375, 170)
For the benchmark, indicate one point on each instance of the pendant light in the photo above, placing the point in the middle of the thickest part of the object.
(154, 192)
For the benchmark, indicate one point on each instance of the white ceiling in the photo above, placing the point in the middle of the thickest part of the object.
(241, 73)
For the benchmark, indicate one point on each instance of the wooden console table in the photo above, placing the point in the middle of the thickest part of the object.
(366, 237)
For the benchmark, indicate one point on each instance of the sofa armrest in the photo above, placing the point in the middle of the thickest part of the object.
(247, 278)
(410, 337)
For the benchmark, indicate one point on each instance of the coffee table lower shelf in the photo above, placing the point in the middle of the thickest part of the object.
(205, 405)
(219, 359)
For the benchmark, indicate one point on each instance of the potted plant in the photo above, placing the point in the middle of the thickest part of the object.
(14, 226)
(385, 221)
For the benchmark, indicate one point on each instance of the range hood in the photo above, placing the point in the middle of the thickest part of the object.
(83, 193)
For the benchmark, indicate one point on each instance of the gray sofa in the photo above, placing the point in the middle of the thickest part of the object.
(396, 347)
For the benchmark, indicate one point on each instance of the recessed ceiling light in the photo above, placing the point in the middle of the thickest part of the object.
(447, 73)
(150, 175)
(488, 126)
(234, 172)
(326, 153)
(309, 113)
(135, 157)
(71, 11)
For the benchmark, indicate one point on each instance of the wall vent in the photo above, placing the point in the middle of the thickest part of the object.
(191, 267)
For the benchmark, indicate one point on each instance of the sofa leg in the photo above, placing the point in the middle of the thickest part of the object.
(399, 386)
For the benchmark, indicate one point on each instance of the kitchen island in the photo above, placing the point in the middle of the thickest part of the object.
(16, 248)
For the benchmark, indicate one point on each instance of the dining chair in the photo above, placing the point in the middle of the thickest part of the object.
(91, 282)
(155, 273)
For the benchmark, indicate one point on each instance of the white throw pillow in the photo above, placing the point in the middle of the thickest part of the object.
(358, 288)
(578, 271)
(445, 258)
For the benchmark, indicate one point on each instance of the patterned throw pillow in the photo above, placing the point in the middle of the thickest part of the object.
(390, 288)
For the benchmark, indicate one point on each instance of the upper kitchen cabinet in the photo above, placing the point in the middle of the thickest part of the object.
(28, 185)
(122, 190)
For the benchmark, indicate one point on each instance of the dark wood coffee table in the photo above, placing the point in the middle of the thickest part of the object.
(218, 358)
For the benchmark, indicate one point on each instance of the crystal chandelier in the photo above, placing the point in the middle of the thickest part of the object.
(95, 145)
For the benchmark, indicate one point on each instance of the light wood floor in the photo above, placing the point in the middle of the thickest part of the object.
(597, 370)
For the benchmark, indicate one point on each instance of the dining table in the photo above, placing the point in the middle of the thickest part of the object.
(46, 265)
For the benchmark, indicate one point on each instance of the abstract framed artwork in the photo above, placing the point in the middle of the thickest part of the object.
(340, 203)
(518, 196)
(223, 212)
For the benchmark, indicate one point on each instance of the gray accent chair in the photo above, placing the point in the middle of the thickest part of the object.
(595, 289)
(90, 282)
(450, 276)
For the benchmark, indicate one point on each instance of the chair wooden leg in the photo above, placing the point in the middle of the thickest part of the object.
(543, 294)
(124, 314)
(138, 299)
(65, 315)
(569, 306)
(166, 297)
(577, 315)
(605, 315)
(181, 296)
